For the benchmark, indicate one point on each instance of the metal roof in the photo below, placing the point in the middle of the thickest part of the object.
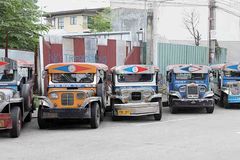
(71, 12)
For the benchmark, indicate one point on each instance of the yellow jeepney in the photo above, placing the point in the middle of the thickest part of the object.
(75, 91)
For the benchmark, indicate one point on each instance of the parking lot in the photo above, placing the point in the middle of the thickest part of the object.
(190, 134)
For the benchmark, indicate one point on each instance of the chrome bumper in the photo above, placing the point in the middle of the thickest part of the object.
(198, 103)
(137, 109)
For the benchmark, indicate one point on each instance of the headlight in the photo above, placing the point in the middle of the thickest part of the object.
(202, 89)
(2, 96)
(125, 94)
(53, 95)
(182, 89)
(81, 95)
(147, 93)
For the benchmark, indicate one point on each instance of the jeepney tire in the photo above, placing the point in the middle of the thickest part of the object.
(95, 116)
(28, 118)
(115, 118)
(173, 110)
(225, 103)
(158, 117)
(42, 123)
(210, 110)
(16, 117)
(102, 93)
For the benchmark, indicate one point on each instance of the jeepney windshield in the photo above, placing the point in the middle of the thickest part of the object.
(190, 76)
(231, 74)
(135, 78)
(7, 76)
(72, 78)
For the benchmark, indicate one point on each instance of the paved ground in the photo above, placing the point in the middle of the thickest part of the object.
(186, 136)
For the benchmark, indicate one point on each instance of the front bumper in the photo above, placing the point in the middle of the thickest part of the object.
(195, 103)
(234, 99)
(136, 109)
(5, 121)
(59, 113)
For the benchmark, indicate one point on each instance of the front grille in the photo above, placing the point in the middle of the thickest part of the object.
(192, 91)
(136, 96)
(67, 99)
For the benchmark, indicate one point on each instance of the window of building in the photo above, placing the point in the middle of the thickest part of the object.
(73, 20)
(61, 23)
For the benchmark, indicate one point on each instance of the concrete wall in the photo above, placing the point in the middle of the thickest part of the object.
(18, 54)
(128, 20)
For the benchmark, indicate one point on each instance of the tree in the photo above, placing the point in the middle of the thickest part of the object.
(19, 24)
(101, 22)
(191, 22)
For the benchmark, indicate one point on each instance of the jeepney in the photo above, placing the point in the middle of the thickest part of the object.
(16, 95)
(75, 91)
(135, 91)
(189, 86)
(226, 83)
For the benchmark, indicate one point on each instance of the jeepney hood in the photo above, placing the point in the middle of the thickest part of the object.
(182, 88)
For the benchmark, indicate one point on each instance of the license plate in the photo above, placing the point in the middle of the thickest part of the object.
(1, 123)
(124, 113)
(50, 115)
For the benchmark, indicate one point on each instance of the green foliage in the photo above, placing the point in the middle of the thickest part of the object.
(101, 22)
(20, 20)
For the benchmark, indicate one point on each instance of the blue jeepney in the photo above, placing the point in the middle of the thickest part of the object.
(226, 83)
(189, 86)
(135, 91)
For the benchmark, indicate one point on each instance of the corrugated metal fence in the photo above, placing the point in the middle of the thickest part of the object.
(185, 54)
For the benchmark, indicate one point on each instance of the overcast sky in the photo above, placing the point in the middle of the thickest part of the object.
(60, 5)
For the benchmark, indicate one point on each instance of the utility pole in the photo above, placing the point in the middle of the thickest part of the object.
(212, 31)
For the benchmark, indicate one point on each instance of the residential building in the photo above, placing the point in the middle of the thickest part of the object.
(71, 21)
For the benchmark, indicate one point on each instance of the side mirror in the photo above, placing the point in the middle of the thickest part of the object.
(44, 73)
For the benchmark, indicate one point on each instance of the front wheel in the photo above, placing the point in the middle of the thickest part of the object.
(210, 109)
(225, 101)
(16, 117)
(158, 116)
(173, 110)
(28, 118)
(42, 123)
(95, 116)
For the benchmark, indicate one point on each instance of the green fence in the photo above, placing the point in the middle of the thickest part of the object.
(169, 54)
(221, 56)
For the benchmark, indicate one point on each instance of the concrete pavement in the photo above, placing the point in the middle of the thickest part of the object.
(191, 134)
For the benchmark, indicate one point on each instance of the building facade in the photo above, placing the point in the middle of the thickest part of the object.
(72, 21)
